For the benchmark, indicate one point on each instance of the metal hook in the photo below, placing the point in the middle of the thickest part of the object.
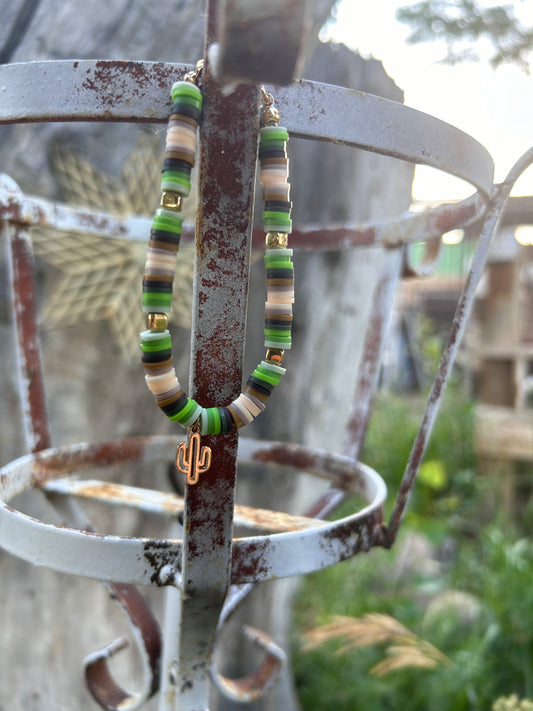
(145, 628)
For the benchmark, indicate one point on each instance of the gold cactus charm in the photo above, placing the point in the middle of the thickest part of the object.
(191, 458)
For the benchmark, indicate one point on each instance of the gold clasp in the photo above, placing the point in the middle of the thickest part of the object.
(195, 76)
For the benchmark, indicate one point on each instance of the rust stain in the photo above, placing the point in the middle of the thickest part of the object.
(161, 553)
(250, 560)
(58, 463)
(23, 285)
(342, 474)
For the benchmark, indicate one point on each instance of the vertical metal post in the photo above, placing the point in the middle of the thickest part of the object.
(375, 336)
(223, 241)
(22, 273)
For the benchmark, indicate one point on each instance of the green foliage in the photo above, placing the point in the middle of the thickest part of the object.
(469, 597)
(490, 644)
(464, 23)
(447, 489)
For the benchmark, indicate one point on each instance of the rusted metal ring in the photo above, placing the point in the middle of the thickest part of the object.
(255, 558)
(113, 90)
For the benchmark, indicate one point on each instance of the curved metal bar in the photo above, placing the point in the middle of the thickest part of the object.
(87, 90)
(33, 211)
(492, 220)
(111, 90)
(254, 685)
(147, 635)
(146, 561)
(383, 126)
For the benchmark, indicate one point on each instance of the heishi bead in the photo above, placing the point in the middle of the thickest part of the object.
(210, 421)
(160, 258)
(181, 110)
(179, 183)
(182, 119)
(188, 415)
(157, 367)
(273, 368)
(249, 404)
(162, 383)
(226, 419)
(276, 191)
(278, 310)
(255, 401)
(157, 301)
(185, 88)
(241, 416)
(272, 175)
(258, 388)
(158, 277)
(181, 153)
(187, 106)
(276, 133)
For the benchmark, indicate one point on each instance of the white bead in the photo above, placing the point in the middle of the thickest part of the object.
(162, 383)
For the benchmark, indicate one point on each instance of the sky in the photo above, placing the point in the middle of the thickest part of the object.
(493, 106)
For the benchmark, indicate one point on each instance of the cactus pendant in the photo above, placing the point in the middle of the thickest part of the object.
(191, 458)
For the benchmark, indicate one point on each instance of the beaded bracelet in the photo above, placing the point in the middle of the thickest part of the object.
(156, 344)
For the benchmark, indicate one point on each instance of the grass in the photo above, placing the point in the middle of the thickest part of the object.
(468, 607)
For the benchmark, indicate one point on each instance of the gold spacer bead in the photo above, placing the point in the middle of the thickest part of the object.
(276, 239)
(170, 200)
(156, 322)
(274, 356)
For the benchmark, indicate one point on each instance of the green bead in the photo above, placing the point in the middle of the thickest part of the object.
(177, 185)
(190, 101)
(281, 334)
(154, 301)
(271, 367)
(172, 174)
(278, 227)
(214, 424)
(183, 415)
(274, 133)
(165, 224)
(185, 88)
(280, 217)
(150, 345)
(170, 214)
(278, 263)
(259, 373)
(283, 345)
(279, 252)
(271, 146)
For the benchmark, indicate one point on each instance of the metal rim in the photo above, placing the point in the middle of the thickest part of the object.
(112, 90)
(255, 558)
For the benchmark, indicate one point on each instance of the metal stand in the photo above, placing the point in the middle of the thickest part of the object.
(199, 566)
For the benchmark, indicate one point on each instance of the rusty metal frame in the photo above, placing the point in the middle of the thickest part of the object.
(199, 567)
